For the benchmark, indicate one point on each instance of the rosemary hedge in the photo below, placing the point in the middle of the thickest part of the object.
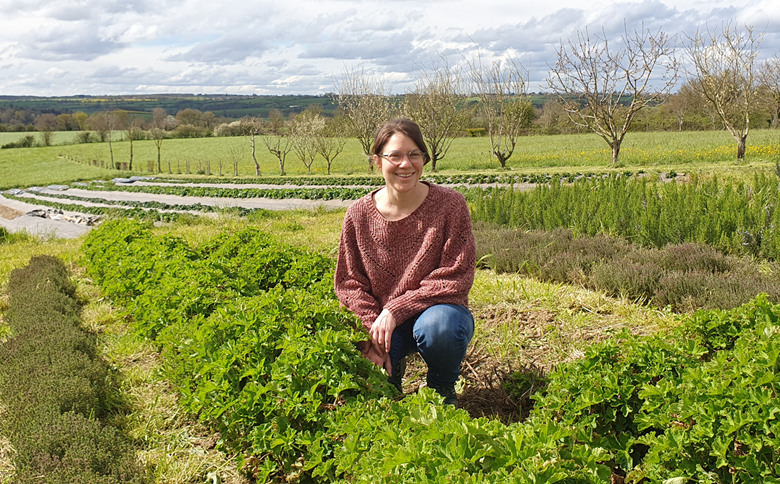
(735, 218)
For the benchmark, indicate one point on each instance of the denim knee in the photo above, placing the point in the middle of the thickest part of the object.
(442, 333)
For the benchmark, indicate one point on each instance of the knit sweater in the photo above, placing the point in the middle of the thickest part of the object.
(407, 265)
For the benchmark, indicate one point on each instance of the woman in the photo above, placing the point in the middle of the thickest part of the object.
(406, 264)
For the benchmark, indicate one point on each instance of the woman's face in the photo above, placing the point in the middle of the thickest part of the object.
(401, 177)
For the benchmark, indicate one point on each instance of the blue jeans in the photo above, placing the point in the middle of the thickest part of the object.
(441, 335)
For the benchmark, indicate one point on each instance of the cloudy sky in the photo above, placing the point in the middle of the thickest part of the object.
(66, 47)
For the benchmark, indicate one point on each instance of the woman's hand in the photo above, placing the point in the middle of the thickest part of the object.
(382, 332)
(376, 358)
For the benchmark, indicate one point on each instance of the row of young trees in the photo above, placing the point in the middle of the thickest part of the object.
(601, 86)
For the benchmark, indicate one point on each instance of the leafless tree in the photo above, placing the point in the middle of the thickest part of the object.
(134, 132)
(363, 100)
(436, 105)
(723, 62)
(277, 142)
(158, 135)
(46, 124)
(253, 128)
(769, 75)
(236, 152)
(159, 118)
(331, 141)
(501, 87)
(105, 123)
(305, 132)
(602, 89)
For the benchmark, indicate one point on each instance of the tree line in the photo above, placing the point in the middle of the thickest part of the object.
(596, 85)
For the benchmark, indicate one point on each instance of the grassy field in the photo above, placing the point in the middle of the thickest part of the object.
(661, 151)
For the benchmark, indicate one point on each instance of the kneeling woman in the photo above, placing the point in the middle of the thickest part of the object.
(406, 264)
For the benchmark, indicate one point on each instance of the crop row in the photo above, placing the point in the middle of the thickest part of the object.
(278, 193)
(135, 212)
(255, 341)
(451, 179)
(55, 388)
(153, 205)
(736, 218)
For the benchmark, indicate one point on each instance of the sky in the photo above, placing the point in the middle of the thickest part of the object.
(105, 47)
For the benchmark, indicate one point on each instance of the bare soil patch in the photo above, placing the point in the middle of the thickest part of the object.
(9, 213)
(501, 387)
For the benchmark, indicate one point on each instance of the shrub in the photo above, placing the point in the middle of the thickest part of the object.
(684, 276)
(25, 142)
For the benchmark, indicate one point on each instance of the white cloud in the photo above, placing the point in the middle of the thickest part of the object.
(297, 46)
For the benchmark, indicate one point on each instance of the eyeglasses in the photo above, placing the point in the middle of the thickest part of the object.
(396, 157)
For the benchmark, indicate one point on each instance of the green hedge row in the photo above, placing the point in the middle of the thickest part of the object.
(736, 218)
(251, 335)
(684, 276)
(697, 405)
(53, 386)
(256, 343)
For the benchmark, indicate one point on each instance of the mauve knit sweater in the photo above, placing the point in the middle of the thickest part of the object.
(407, 265)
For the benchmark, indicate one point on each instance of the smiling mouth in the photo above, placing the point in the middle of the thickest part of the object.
(405, 175)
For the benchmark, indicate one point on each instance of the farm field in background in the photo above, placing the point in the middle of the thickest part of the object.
(657, 151)
(521, 322)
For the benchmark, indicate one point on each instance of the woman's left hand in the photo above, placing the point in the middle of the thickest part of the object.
(382, 331)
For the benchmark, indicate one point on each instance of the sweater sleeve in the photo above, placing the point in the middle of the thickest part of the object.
(451, 282)
(351, 283)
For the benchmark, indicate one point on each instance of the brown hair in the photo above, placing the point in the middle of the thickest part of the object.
(406, 127)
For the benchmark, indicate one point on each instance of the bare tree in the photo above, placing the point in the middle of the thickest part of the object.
(723, 63)
(305, 131)
(331, 141)
(769, 75)
(46, 124)
(158, 135)
(501, 87)
(363, 100)
(279, 146)
(236, 152)
(602, 89)
(253, 128)
(159, 118)
(134, 131)
(435, 105)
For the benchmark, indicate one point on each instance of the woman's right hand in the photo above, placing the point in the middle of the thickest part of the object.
(382, 360)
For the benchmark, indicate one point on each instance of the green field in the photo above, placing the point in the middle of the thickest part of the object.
(658, 151)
